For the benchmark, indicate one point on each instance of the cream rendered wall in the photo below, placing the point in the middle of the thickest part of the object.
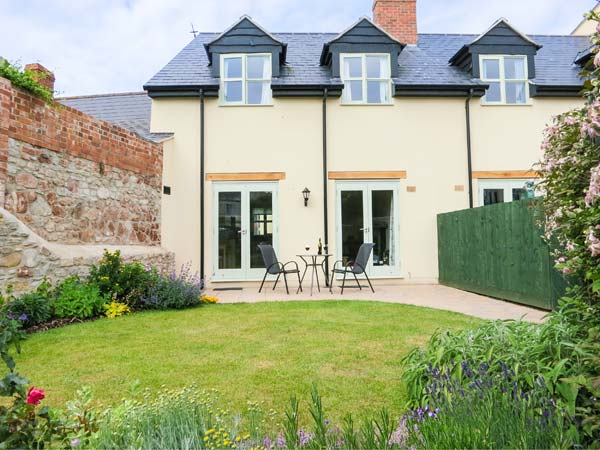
(180, 226)
(285, 137)
(426, 137)
(586, 27)
(508, 137)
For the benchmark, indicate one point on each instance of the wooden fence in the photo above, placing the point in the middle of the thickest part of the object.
(498, 251)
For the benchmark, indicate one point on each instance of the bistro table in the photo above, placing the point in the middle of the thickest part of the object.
(311, 260)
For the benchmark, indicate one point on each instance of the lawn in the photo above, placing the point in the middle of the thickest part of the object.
(249, 352)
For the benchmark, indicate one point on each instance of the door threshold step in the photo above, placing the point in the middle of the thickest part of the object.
(228, 289)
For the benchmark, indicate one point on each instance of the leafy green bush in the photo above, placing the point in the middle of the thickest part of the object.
(26, 80)
(77, 299)
(120, 281)
(33, 308)
(176, 291)
(532, 350)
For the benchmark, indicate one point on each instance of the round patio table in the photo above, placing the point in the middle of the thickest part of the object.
(312, 260)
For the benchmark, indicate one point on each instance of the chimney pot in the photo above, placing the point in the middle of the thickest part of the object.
(42, 75)
(398, 18)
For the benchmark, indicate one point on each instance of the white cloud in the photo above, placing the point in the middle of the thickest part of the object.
(97, 46)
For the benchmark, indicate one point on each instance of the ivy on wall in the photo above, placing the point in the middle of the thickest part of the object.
(25, 79)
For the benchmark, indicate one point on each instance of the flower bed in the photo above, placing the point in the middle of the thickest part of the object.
(112, 289)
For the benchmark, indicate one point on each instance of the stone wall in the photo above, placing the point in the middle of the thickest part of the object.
(74, 200)
(26, 258)
(75, 179)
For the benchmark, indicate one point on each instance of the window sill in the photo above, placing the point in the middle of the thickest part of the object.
(519, 105)
(227, 105)
(366, 104)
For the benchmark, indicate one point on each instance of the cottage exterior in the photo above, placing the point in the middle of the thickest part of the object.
(385, 127)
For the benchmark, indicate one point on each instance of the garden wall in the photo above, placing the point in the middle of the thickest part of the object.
(75, 179)
(26, 258)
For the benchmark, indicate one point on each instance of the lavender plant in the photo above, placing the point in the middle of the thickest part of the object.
(174, 291)
(486, 410)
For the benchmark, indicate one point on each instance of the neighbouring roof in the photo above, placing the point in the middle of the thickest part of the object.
(129, 110)
(425, 64)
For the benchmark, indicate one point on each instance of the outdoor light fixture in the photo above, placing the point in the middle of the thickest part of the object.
(306, 195)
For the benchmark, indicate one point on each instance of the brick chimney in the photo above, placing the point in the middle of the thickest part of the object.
(42, 75)
(398, 18)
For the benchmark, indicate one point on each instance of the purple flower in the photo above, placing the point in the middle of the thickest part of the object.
(10, 316)
(304, 438)
(75, 442)
(23, 317)
(267, 442)
(280, 443)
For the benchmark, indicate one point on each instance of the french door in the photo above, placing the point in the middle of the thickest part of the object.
(368, 212)
(245, 215)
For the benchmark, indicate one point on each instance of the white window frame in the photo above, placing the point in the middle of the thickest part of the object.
(502, 80)
(506, 184)
(244, 79)
(364, 79)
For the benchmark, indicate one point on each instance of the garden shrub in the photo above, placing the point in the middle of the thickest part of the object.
(486, 410)
(77, 299)
(32, 308)
(123, 282)
(175, 291)
(116, 309)
(570, 173)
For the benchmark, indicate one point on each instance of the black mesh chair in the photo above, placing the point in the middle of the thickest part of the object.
(274, 267)
(356, 267)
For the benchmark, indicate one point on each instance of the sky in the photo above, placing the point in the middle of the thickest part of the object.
(107, 46)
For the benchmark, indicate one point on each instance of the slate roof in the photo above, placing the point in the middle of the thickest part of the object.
(421, 65)
(128, 110)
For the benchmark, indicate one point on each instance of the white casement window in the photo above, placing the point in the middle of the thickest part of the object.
(367, 79)
(507, 77)
(246, 79)
(493, 191)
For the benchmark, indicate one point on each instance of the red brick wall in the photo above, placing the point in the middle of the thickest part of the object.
(67, 130)
(76, 179)
(398, 18)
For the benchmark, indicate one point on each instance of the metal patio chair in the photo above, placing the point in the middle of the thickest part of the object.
(274, 267)
(356, 267)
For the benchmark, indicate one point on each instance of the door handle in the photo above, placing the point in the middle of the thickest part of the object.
(241, 231)
(364, 229)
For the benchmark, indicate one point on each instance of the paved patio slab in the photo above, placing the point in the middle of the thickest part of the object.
(427, 295)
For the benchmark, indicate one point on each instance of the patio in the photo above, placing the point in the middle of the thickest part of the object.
(426, 295)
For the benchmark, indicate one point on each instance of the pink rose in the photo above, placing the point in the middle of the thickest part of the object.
(35, 396)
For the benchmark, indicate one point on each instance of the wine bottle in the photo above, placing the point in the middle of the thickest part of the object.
(320, 247)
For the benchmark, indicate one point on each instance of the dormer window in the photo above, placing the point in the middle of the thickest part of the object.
(366, 78)
(507, 78)
(246, 79)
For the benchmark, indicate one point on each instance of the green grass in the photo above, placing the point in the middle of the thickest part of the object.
(259, 352)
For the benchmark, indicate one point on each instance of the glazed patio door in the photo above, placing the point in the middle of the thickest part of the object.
(244, 216)
(368, 212)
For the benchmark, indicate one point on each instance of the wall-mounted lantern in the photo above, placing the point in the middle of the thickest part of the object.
(306, 195)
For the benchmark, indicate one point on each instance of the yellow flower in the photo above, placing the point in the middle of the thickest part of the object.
(208, 299)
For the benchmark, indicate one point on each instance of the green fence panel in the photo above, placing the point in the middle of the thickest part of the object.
(498, 251)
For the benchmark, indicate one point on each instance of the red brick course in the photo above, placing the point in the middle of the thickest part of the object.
(398, 18)
(29, 119)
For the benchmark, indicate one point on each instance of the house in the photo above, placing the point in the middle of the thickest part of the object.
(384, 126)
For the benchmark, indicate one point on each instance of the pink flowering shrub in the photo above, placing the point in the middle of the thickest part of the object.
(570, 177)
(570, 171)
